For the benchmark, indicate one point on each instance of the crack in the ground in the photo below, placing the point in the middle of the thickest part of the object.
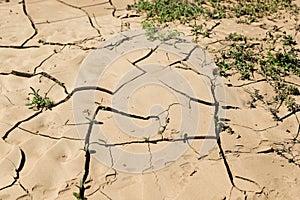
(256, 130)
(285, 149)
(113, 110)
(79, 89)
(181, 61)
(50, 137)
(30, 75)
(105, 195)
(217, 121)
(95, 4)
(83, 188)
(248, 180)
(258, 81)
(87, 143)
(4, 137)
(134, 63)
(151, 167)
(18, 47)
(47, 58)
(18, 170)
(298, 130)
(31, 22)
(273, 111)
(150, 160)
(189, 97)
(156, 141)
(83, 123)
(78, 43)
(218, 129)
(198, 100)
(85, 12)
(116, 44)
(152, 50)
(114, 8)
(289, 114)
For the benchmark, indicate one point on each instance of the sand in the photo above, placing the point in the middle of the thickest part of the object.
(41, 154)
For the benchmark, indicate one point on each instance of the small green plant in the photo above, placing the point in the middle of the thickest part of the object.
(167, 10)
(198, 30)
(155, 33)
(161, 12)
(75, 194)
(273, 57)
(38, 102)
(245, 11)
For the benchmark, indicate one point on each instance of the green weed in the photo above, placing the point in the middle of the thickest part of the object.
(251, 58)
(247, 11)
(38, 102)
(273, 57)
(167, 10)
(153, 32)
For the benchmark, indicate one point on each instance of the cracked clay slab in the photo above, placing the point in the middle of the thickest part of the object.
(162, 89)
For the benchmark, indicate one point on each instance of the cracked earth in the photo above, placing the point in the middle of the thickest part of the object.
(42, 45)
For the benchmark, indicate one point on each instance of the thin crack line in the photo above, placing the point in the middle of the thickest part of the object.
(87, 162)
(30, 75)
(258, 81)
(18, 47)
(155, 141)
(110, 109)
(184, 59)
(48, 136)
(249, 180)
(298, 131)
(8, 99)
(256, 130)
(114, 8)
(289, 114)
(31, 22)
(47, 58)
(75, 43)
(189, 97)
(18, 170)
(150, 159)
(96, 4)
(218, 131)
(79, 89)
(134, 63)
(108, 197)
(152, 50)
(59, 20)
(5, 136)
(83, 10)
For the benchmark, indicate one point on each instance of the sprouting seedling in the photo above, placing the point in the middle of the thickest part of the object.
(38, 102)
(89, 119)
(162, 129)
(76, 194)
(103, 142)
(85, 148)
(181, 134)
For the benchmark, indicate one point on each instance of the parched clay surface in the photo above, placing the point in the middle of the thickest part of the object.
(46, 44)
